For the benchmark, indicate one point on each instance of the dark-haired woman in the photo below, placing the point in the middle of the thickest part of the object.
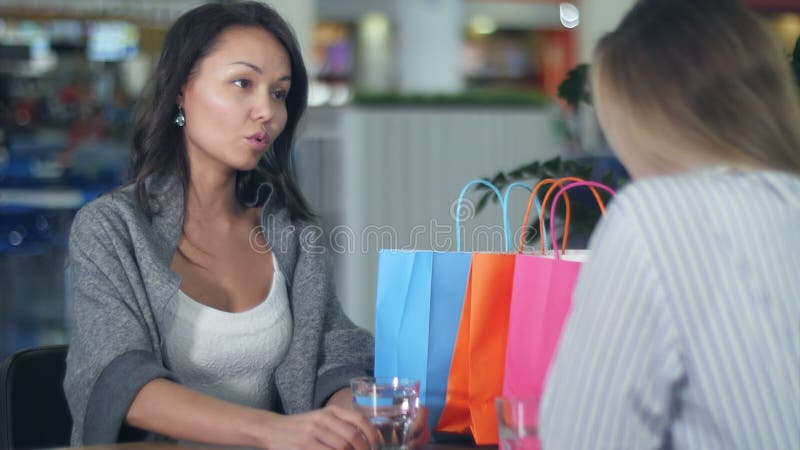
(202, 306)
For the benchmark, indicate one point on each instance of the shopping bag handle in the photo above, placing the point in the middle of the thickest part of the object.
(542, 230)
(506, 224)
(550, 192)
(461, 200)
(592, 185)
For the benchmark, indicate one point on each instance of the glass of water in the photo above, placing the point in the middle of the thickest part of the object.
(517, 424)
(391, 405)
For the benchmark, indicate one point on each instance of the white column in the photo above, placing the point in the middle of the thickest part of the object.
(598, 17)
(302, 17)
(430, 35)
(374, 53)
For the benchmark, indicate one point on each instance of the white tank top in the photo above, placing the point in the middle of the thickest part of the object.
(230, 356)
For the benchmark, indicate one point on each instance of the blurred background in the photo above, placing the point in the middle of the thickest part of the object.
(410, 100)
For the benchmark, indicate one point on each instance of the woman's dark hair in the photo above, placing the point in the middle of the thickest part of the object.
(158, 144)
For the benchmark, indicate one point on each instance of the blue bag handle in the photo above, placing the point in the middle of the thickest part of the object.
(461, 200)
(506, 223)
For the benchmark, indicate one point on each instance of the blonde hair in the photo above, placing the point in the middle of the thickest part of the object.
(708, 72)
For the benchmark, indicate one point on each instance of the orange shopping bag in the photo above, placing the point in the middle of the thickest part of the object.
(476, 373)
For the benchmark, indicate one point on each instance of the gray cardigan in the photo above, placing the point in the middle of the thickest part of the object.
(121, 282)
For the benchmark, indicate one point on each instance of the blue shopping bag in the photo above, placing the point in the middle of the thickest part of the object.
(419, 299)
(420, 296)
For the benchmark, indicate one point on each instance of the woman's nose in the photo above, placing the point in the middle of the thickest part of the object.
(262, 108)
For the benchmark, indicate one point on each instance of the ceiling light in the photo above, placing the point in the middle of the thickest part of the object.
(569, 14)
(482, 24)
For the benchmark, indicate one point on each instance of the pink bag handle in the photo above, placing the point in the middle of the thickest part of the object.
(561, 192)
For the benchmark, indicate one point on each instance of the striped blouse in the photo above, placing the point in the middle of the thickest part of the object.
(685, 326)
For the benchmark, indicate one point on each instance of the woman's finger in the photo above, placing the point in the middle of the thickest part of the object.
(329, 438)
(346, 431)
(362, 423)
(420, 432)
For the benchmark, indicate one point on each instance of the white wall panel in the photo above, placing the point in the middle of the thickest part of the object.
(371, 170)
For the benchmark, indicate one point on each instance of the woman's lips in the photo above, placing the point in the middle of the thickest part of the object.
(258, 141)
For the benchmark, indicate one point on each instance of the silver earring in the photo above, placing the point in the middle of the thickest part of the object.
(180, 119)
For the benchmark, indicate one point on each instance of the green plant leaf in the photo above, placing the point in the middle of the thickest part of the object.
(552, 167)
(796, 54)
(795, 61)
(575, 87)
(477, 97)
(482, 202)
(517, 173)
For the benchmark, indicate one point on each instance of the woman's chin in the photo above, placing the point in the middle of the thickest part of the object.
(246, 166)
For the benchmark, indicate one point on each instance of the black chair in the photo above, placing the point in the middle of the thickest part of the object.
(33, 409)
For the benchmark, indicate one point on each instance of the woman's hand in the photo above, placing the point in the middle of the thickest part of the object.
(343, 397)
(167, 408)
(336, 426)
(332, 427)
(420, 432)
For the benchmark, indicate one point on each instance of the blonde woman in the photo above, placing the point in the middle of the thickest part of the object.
(685, 328)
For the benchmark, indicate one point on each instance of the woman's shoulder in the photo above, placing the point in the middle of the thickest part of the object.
(111, 216)
(110, 206)
(732, 203)
(121, 206)
(710, 189)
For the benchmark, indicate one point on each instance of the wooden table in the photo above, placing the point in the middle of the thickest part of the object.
(173, 446)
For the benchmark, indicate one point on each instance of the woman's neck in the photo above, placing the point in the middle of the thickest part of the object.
(211, 197)
(681, 157)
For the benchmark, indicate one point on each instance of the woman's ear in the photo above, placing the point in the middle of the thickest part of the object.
(179, 100)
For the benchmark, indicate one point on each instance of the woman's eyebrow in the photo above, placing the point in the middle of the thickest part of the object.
(250, 65)
(259, 70)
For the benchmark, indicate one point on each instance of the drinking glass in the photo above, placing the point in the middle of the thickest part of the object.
(516, 423)
(390, 404)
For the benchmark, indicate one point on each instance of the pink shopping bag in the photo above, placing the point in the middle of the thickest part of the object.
(540, 302)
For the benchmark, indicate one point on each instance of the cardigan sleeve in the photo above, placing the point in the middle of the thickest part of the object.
(344, 351)
(347, 352)
(110, 354)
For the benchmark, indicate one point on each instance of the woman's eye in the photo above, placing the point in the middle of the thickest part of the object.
(280, 94)
(242, 83)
